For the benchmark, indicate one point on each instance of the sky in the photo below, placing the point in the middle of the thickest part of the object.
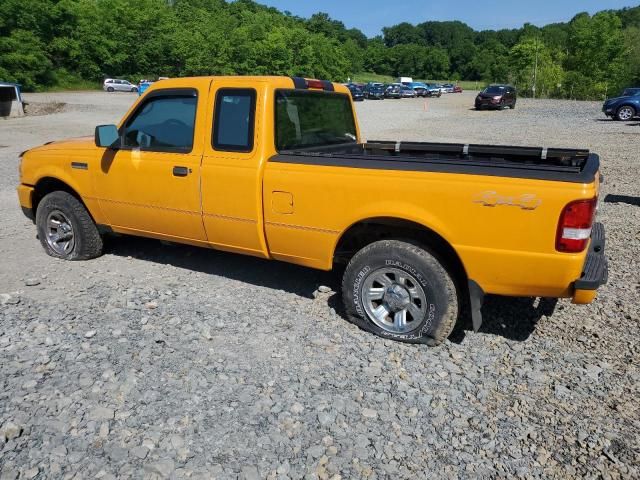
(371, 15)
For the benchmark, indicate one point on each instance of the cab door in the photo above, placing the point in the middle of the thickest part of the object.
(232, 168)
(151, 185)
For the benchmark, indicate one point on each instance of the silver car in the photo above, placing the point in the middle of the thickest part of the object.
(116, 85)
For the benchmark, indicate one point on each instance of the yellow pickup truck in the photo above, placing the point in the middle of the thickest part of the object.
(275, 167)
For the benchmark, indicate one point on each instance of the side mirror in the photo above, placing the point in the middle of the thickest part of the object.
(107, 136)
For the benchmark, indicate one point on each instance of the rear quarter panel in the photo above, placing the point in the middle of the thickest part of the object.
(502, 228)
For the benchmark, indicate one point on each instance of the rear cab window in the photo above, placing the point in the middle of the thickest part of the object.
(233, 128)
(308, 118)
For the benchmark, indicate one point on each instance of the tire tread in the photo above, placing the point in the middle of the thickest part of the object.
(88, 240)
(449, 319)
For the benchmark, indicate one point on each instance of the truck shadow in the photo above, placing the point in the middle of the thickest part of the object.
(511, 318)
(256, 271)
(514, 318)
(612, 198)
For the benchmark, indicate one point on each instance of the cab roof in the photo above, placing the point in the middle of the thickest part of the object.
(247, 81)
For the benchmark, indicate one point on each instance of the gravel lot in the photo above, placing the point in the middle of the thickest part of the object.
(157, 361)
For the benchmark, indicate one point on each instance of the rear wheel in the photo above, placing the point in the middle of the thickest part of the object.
(400, 291)
(109, 89)
(625, 113)
(65, 228)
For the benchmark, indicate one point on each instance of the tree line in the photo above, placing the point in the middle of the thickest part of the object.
(61, 43)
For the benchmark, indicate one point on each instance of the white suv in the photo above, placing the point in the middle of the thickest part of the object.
(115, 85)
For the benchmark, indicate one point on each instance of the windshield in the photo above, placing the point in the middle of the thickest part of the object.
(495, 90)
(629, 92)
(306, 118)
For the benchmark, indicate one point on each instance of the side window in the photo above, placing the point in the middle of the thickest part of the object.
(234, 120)
(163, 123)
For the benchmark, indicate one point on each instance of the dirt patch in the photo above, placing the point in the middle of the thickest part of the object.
(46, 108)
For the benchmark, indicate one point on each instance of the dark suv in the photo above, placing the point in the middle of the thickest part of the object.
(497, 96)
(624, 107)
(393, 91)
(374, 92)
(356, 92)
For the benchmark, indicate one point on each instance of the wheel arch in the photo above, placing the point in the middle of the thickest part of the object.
(635, 108)
(49, 184)
(369, 230)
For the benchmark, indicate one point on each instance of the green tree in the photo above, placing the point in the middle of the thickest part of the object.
(23, 60)
(596, 52)
(533, 69)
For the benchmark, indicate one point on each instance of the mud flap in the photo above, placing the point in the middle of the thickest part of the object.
(476, 298)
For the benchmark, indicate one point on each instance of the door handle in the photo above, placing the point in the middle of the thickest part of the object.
(181, 171)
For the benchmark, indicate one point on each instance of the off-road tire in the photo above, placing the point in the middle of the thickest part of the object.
(87, 240)
(440, 290)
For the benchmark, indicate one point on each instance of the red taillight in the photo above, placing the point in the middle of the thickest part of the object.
(574, 227)
(315, 84)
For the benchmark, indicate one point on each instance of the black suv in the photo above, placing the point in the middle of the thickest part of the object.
(356, 92)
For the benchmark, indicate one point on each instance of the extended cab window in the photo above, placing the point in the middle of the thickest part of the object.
(163, 123)
(306, 118)
(233, 126)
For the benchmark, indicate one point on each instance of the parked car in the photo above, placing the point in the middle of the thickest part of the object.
(295, 184)
(448, 87)
(457, 89)
(418, 87)
(421, 91)
(118, 85)
(374, 91)
(143, 85)
(433, 90)
(497, 97)
(624, 107)
(356, 92)
(393, 91)
(408, 92)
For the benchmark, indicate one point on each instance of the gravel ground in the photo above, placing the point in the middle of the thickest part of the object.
(157, 361)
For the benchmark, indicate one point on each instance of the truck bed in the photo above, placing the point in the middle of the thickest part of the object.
(558, 164)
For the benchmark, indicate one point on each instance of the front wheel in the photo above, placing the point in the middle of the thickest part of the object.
(65, 228)
(134, 89)
(625, 113)
(400, 291)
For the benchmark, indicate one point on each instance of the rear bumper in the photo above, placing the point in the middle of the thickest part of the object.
(595, 271)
